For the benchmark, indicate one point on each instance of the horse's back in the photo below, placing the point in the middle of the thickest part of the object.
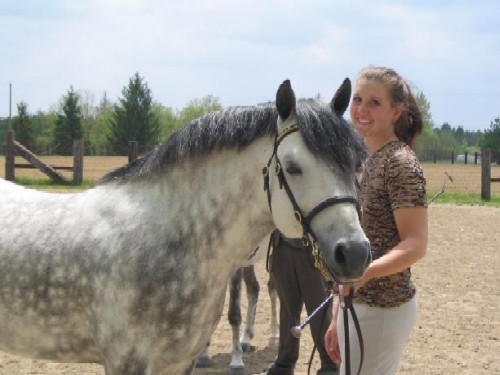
(7, 187)
(16, 194)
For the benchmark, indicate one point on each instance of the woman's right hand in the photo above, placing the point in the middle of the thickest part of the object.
(332, 343)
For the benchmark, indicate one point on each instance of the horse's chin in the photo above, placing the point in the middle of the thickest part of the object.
(344, 280)
(339, 277)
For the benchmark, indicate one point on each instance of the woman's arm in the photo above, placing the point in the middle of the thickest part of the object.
(412, 228)
(331, 340)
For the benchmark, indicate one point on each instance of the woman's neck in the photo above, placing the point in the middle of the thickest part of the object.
(374, 144)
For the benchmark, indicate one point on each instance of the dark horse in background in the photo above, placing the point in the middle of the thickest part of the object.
(242, 342)
(132, 274)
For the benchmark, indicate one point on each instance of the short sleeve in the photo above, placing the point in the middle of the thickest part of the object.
(405, 180)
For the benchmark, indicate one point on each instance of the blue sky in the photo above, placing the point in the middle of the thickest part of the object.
(241, 50)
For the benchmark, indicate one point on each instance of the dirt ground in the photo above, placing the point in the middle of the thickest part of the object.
(458, 330)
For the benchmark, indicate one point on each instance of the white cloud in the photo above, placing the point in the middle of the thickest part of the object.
(240, 51)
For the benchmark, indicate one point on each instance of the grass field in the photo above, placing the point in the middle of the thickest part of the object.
(466, 178)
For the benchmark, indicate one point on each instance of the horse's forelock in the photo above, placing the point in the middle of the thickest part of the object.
(329, 135)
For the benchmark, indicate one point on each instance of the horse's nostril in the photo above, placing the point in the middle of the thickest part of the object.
(340, 256)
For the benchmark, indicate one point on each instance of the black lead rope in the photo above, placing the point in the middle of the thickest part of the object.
(347, 307)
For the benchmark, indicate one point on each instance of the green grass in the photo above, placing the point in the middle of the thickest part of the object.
(465, 199)
(44, 183)
(462, 199)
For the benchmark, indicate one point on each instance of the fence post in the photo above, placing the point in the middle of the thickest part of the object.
(77, 162)
(133, 150)
(475, 158)
(486, 175)
(453, 157)
(9, 156)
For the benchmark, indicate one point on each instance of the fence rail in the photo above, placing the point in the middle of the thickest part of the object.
(13, 148)
(451, 157)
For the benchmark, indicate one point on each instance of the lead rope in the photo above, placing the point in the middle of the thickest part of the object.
(347, 306)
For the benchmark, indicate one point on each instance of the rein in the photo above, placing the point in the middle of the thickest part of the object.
(309, 240)
(347, 306)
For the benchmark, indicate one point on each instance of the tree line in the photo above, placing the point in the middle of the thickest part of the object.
(107, 127)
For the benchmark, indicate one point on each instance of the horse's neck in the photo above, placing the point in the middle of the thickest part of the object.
(216, 201)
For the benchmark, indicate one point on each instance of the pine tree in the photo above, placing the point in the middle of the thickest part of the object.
(22, 126)
(68, 124)
(134, 118)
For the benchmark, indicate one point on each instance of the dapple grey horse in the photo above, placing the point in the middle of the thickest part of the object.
(131, 274)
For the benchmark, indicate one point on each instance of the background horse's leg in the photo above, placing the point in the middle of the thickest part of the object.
(253, 288)
(203, 359)
(237, 366)
(274, 332)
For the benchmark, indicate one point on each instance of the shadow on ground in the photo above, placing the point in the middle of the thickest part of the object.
(255, 362)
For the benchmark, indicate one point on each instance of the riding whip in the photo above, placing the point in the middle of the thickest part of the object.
(345, 302)
(447, 178)
(297, 330)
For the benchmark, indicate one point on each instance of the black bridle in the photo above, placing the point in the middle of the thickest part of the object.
(308, 236)
(309, 240)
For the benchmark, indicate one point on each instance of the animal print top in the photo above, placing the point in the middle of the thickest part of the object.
(392, 178)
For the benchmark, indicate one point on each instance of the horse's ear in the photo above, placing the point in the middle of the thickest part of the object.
(340, 100)
(285, 100)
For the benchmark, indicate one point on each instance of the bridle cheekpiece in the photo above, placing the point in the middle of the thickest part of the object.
(308, 236)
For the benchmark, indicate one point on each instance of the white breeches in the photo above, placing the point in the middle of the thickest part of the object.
(385, 334)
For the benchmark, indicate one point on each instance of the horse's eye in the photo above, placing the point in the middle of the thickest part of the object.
(293, 169)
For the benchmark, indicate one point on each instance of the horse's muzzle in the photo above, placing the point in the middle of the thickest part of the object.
(348, 260)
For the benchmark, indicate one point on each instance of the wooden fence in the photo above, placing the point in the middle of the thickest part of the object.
(13, 148)
(486, 178)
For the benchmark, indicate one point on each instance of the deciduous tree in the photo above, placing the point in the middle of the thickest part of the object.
(491, 140)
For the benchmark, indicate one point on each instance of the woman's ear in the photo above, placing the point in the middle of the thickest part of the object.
(397, 113)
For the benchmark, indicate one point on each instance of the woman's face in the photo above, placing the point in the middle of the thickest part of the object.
(372, 113)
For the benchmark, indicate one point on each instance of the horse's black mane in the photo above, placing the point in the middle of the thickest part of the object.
(324, 132)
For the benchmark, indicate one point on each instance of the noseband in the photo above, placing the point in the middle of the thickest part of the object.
(309, 240)
(308, 236)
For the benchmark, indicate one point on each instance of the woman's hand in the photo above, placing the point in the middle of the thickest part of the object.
(357, 285)
(332, 343)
